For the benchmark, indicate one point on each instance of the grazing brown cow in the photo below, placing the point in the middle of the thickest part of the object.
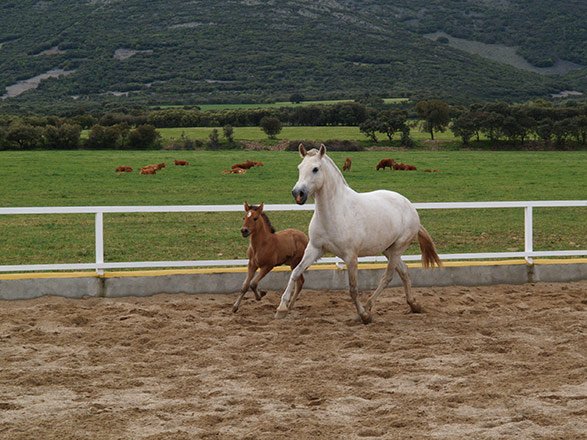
(385, 163)
(347, 164)
(181, 163)
(123, 169)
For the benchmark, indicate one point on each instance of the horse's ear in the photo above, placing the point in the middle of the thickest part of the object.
(261, 206)
(247, 207)
(322, 150)
(302, 150)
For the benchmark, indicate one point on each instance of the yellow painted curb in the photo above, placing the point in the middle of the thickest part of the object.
(220, 270)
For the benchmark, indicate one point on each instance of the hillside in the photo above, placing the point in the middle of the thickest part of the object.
(75, 53)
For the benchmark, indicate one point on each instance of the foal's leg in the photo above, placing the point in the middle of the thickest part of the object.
(353, 269)
(262, 272)
(252, 268)
(311, 254)
(402, 270)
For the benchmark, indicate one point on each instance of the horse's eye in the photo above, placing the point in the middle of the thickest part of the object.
(315, 170)
(256, 218)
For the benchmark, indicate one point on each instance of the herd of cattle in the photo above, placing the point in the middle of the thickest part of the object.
(150, 169)
(241, 168)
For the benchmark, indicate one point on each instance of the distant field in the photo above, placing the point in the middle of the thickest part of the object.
(293, 133)
(284, 104)
(78, 178)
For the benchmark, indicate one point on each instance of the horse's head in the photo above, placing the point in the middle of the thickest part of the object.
(310, 177)
(254, 219)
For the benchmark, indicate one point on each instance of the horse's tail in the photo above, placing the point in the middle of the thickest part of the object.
(429, 255)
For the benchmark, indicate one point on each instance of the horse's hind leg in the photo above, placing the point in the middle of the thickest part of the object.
(384, 281)
(353, 269)
(402, 270)
(294, 297)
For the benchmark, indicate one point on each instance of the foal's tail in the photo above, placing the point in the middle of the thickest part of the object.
(429, 255)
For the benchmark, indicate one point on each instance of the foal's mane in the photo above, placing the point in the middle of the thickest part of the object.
(337, 172)
(265, 218)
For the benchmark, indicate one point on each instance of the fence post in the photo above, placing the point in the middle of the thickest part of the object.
(99, 242)
(528, 234)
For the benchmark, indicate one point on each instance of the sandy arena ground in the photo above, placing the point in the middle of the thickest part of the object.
(498, 362)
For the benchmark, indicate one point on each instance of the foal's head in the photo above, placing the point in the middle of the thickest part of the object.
(255, 220)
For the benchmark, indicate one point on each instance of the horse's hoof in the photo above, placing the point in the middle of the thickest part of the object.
(262, 293)
(366, 318)
(234, 309)
(280, 314)
(416, 308)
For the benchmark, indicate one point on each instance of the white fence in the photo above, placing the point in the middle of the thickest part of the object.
(100, 265)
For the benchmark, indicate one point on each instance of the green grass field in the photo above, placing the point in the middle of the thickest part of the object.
(323, 133)
(79, 178)
(278, 104)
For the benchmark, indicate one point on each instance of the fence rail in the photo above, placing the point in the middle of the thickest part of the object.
(100, 265)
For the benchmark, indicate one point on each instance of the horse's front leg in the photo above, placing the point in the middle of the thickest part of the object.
(252, 268)
(311, 254)
(353, 269)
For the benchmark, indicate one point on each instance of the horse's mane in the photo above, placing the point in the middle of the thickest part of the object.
(265, 218)
(314, 152)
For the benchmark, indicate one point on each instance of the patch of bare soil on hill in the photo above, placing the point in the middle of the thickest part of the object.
(496, 362)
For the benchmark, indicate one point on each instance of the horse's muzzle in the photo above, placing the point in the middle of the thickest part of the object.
(245, 232)
(300, 196)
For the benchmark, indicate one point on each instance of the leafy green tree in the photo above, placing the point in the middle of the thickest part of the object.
(145, 136)
(392, 121)
(214, 139)
(24, 136)
(271, 126)
(347, 113)
(544, 129)
(492, 125)
(435, 114)
(64, 136)
(228, 132)
(3, 140)
(406, 140)
(579, 128)
(370, 127)
(561, 131)
(464, 127)
(296, 98)
(113, 137)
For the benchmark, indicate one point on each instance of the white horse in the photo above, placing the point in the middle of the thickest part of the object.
(351, 225)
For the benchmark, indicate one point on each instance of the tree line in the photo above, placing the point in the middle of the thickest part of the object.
(514, 125)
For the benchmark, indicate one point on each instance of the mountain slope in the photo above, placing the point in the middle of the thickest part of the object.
(189, 52)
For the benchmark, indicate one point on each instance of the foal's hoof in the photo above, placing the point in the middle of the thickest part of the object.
(280, 314)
